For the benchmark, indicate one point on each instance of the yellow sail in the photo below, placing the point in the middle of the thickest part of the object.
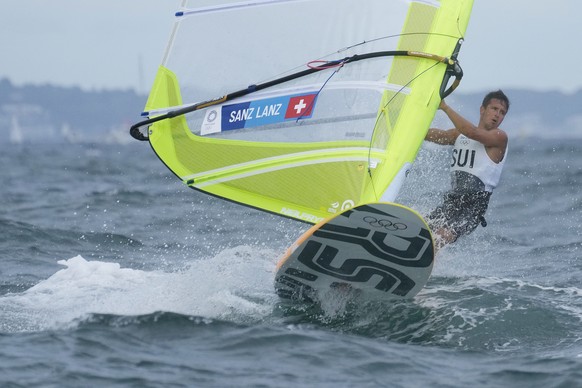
(302, 108)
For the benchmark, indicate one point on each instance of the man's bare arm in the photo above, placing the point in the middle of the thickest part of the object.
(441, 136)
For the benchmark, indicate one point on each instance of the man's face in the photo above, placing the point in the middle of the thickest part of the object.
(493, 114)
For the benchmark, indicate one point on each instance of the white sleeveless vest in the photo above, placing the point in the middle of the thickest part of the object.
(471, 167)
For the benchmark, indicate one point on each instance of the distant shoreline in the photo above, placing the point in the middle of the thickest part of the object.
(49, 113)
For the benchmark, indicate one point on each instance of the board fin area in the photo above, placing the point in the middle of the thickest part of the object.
(379, 250)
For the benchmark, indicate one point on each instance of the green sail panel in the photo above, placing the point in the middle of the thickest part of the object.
(343, 133)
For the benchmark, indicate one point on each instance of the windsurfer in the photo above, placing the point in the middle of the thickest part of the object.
(478, 156)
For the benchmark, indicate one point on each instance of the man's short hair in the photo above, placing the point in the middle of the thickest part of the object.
(498, 94)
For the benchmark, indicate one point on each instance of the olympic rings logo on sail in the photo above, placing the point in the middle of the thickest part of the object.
(384, 223)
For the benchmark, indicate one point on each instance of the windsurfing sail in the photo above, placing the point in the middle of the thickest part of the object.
(303, 108)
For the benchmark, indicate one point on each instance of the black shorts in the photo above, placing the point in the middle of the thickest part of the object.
(461, 212)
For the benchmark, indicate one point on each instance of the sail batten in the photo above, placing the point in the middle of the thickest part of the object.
(231, 7)
(243, 170)
(321, 105)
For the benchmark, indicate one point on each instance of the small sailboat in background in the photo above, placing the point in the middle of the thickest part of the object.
(16, 136)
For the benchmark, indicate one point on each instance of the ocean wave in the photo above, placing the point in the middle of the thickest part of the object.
(235, 285)
(475, 313)
(484, 314)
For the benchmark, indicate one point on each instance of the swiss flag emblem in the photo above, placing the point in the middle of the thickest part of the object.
(300, 106)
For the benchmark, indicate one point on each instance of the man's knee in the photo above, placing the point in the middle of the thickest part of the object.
(444, 236)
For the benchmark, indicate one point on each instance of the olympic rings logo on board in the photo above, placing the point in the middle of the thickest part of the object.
(384, 223)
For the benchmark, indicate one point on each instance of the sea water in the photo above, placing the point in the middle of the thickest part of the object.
(112, 273)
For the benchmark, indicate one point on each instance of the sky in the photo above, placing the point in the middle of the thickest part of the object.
(118, 44)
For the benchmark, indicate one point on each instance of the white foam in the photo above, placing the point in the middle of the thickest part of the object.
(237, 284)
